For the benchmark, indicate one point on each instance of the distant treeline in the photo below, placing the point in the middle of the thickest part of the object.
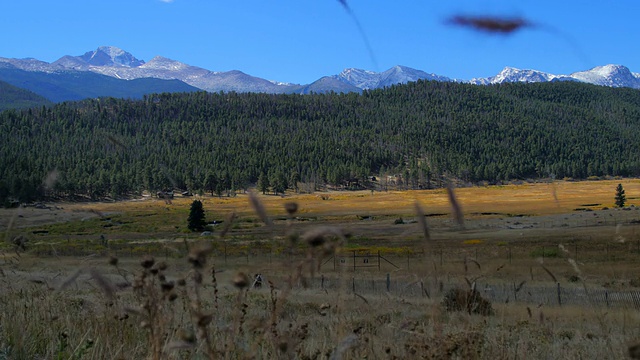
(419, 132)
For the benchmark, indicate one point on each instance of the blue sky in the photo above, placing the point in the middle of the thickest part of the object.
(301, 40)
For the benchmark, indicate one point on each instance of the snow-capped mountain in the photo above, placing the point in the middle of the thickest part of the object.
(163, 68)
(365, 79)
(28, 64)
(117, 63)
(110, 56)
(510, 74)
(607, 75)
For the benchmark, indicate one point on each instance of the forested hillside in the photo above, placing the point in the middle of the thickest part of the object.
(12, 97)
(419, 131)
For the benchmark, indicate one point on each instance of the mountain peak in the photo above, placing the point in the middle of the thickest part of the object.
(110, 56)
(609, 75)
(609, 70)
(366, 79)
(512, 74)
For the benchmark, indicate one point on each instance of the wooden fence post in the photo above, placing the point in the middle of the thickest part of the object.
(388, 283)
(354, 261)
(559, 298)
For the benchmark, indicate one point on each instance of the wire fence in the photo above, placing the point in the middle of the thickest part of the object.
(556, 295)
(366, 272)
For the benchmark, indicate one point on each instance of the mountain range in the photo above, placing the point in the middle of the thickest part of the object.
(110, 71)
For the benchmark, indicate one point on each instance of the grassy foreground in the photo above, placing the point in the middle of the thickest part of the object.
(150, 289)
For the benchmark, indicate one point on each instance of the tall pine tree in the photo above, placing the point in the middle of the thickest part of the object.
(620, 198)
(196, 216)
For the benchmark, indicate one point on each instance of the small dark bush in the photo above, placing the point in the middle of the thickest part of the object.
(467, 300)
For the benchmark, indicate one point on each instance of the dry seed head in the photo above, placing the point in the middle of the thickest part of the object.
(227, 224)
(198, 254)
(187, 336)
(316, 240)
(259, 208)
(455, 205)
(167, 286)
(317, 236)
(204, 319)
(422, 221)
(634, 351)
(147, 262)
(241, 280)
(197, 277)
(490, 24)
(291, 207)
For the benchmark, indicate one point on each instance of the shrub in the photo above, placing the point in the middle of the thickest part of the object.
(469, 301)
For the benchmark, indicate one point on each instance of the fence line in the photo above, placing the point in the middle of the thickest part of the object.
(552, 295)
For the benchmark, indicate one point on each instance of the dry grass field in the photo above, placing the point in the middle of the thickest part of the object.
(537, 271)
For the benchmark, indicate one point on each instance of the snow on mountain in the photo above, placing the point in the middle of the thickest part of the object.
(28, 64)
(122, 65)
(510, 74)
(117, 63)
(365, 79)
(362, 79)
(609, 75)
(163, 63)
(402, 74)
(110, 56)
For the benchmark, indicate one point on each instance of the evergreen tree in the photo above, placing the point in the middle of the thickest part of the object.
(620, 198)
(263, 183)
(294, 179)
(278, 182)
(211, 182)
(196, 216)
